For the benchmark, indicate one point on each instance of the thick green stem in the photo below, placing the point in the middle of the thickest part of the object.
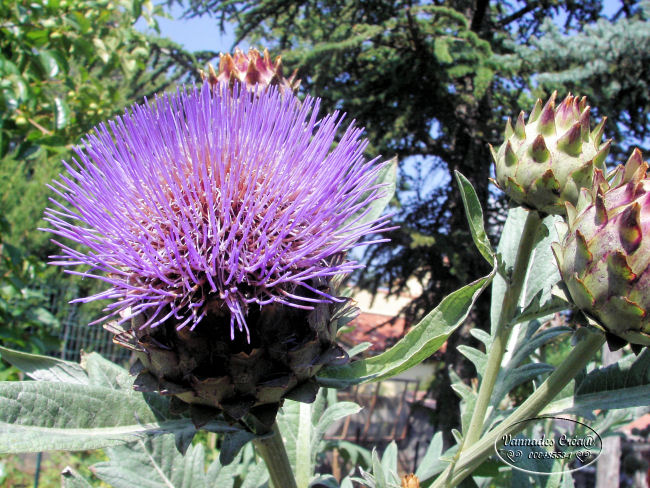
(495, 354)
(272, 450)
(563, 374)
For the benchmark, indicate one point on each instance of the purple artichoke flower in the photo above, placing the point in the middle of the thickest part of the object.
(210, 201)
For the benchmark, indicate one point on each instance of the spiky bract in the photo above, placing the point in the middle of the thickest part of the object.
(255, 71)
(545, 161)
(604, 258)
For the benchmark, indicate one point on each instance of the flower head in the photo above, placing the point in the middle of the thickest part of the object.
(604, 257)
(211, 201)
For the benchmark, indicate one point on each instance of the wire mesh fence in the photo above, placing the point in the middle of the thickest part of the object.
(77, 336)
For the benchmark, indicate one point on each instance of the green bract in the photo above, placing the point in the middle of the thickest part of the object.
(543, 163)
(604, 257)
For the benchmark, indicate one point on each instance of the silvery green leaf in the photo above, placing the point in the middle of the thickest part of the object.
(324, 481)
(256, 477)
(474, 214)
(287, 420)
(467, 396)
(102, 372)
(478, 358)
(45, 368)
(625, 384)
(421, 341)
(431, 465)
(512, 378)
(542, 271)
(153, 463)
(386, 177)
(378, 471)
(220, 476)
(346, 482)
(332, 414)
(80, 417)
(529, 343)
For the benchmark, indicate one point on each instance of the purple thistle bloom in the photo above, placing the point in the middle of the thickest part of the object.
(208, 201)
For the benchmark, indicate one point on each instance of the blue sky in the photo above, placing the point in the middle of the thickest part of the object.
(195, 34)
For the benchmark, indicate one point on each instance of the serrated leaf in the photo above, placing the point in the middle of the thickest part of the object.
(420, 342)
(474, 214)
(536, 310)
(153, 463)
(45, 368)
(625, 384)
(332, 414)
(40, 416)
(478, 358)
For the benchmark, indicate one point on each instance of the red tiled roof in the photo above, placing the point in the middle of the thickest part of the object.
(640, 423)
(381, 330)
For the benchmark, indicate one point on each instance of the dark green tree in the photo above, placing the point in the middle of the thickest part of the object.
(433, 83)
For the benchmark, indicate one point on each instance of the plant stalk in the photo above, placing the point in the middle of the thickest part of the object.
(498, 348)
(554, 384)
(272, 450)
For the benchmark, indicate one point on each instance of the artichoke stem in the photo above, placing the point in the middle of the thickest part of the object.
(272, 450)
(510, 301)
(534, 404)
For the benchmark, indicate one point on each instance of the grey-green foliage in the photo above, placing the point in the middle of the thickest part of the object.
(89, 407)
(625, 384)
(608, 61)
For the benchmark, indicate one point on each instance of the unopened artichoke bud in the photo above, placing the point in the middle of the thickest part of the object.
(254, 71)
(545, 161)
(221, 222)
(604, 258)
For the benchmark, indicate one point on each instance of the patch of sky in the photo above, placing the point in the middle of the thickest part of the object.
(194, 34)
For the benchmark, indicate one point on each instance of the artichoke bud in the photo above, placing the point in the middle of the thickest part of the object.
(545, 161)
(254, 70)
(604, 257)
(240, 377)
